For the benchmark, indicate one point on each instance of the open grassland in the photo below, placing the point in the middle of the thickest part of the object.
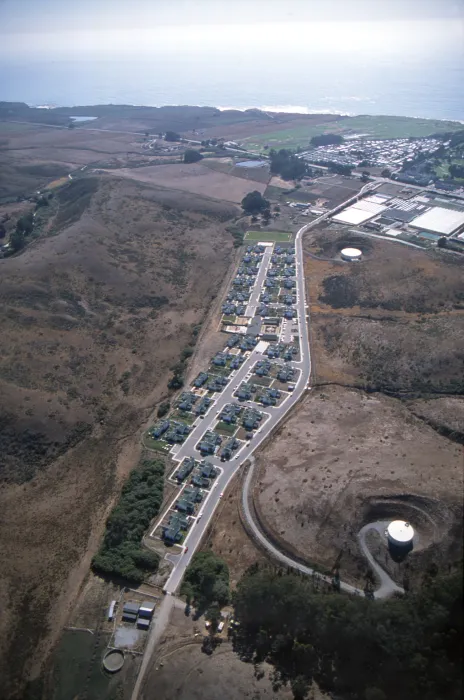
(380, 127)
(227, 166)
(32, 157)
(184, 672)
(345, 458)
(194, 178)
(92, 318)
(271, 236)
(392, 322)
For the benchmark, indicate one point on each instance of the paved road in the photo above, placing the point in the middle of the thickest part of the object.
(253, 301)
(276, 553)
(387, 585)
(229, 469)
(157, 628)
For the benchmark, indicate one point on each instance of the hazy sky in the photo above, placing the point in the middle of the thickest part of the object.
(83, 27)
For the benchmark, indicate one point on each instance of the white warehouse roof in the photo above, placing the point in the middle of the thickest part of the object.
(439, 220)
(359, 212)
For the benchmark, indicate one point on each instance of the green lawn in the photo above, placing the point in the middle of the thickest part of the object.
(77, 668)
(271, 236)
(183, 416)
(157, 445)
(225, 428)
(383, 127)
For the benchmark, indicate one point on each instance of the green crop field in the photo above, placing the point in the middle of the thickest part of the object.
(271, 236)
(380, 127)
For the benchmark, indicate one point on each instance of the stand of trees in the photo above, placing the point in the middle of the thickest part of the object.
(327, 140)
(254, 203)
(287, 164)
(171, 136)
(121, 553)
(192, 156)
(406, 648)
(206, 582)
(456, 170)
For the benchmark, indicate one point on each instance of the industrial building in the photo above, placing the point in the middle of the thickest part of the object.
(439, 220)
(359, 212)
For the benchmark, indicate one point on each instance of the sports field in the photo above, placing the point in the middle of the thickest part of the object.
(271, 236)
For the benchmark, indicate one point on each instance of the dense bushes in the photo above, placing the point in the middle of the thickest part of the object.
(254, 203)
(121, 552)
(192, 156)
(206, 581)
(287, 164)
(408, 648)
(327, 140)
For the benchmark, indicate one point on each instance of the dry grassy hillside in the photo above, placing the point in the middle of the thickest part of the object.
(392, 324)
(92, 318)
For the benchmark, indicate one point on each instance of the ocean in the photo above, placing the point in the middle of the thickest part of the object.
(353, 84)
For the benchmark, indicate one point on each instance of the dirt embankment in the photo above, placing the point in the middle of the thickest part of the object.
(92, 318)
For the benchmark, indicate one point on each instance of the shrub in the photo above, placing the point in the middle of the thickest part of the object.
(121, 553)
(191, 156)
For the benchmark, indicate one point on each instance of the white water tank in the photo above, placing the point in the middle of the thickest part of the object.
(351, 254)
(400, 533)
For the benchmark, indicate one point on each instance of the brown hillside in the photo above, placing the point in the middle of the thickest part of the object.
(92, 318)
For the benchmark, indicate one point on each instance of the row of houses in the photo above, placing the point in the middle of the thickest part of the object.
(281, 350)
(230, 413)
(209, 442)
(269, 397)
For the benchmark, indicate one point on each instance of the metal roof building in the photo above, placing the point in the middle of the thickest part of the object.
(439, 220)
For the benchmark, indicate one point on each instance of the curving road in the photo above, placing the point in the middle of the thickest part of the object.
(387, 585)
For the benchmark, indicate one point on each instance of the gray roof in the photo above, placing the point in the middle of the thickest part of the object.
(131, 607)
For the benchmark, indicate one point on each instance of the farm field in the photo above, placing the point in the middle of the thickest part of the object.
(194, 178)
(271, 236)
(380, 127)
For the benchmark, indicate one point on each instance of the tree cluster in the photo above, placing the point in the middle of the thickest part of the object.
(121, 553)
(172, 136)
(406, 648)
(206, 582)
(327, 140)
(287, 164)
(192, 156)
(255, 203)
(456, 170)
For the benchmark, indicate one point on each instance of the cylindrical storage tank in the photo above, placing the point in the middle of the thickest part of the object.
(400, 533)
(351, 254)
(113, 660)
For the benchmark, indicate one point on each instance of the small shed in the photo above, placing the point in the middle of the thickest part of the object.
(129, 617)
(111, 610)
(143, 623)
(147, 609)
(131, 608)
